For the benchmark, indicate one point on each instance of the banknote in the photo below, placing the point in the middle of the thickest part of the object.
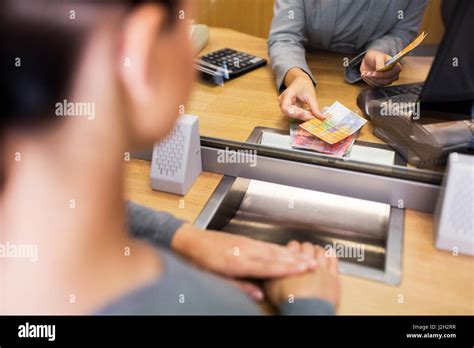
(339, 124)
(389, 64)
(302, 139)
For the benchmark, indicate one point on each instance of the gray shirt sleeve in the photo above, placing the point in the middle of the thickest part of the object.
(156, 227)
(289, 32)
(182, 289)
(404, 32)
(307, 306)
(287, 38)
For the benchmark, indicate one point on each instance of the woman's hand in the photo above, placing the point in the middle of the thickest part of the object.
(238, 256)
(322, 282)
(300, 92)
(373, 61)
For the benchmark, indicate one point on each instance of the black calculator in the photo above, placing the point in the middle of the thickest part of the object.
(228, 63)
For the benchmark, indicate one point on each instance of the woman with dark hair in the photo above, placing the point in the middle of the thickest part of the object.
(121, 71)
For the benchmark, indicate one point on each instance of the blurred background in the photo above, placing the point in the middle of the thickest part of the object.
(254, 17)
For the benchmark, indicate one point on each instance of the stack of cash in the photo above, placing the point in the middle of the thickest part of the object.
(333, 136)
(302, 139)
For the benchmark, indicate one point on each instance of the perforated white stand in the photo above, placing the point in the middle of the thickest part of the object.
(176, 161)
(454, 223)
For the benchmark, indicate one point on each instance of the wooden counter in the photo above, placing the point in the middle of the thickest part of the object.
(434, 282)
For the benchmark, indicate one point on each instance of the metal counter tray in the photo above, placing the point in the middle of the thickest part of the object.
(366, 236)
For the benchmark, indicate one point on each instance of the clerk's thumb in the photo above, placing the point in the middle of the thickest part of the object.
(380, 61)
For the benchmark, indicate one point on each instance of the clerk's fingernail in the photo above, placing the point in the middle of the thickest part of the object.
(258, 295)
(290, 259)
(301, 267)
(306, 256)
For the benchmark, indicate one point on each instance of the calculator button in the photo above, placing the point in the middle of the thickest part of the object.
(255, 60)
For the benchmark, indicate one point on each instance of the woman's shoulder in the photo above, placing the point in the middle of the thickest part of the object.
(182, 289)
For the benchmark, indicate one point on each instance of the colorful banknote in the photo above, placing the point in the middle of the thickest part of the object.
(410, 47)
(339, 124)
(302, 139)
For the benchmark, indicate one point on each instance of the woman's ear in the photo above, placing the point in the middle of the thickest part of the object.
(151, 72)
(138, 39)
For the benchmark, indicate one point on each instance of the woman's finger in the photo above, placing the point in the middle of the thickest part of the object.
(288, 106)
(333, 263)
(272, 269)
(308, 250)
(370, 82)
(265, 268)
(265, 260)
(314, 106)
(287, 98)
(320, 256)
(385, 75)
(276, 253)
(297, 112)
(380, 60)
(383, 82)
(294, 246)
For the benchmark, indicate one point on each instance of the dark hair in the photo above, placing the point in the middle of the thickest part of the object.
(38, 58)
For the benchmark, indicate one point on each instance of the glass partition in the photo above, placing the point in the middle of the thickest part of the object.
(245, 112)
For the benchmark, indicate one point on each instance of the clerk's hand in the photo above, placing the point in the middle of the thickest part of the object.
(238, 256)
(299, 93)
(322, 282)
(373, 61)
